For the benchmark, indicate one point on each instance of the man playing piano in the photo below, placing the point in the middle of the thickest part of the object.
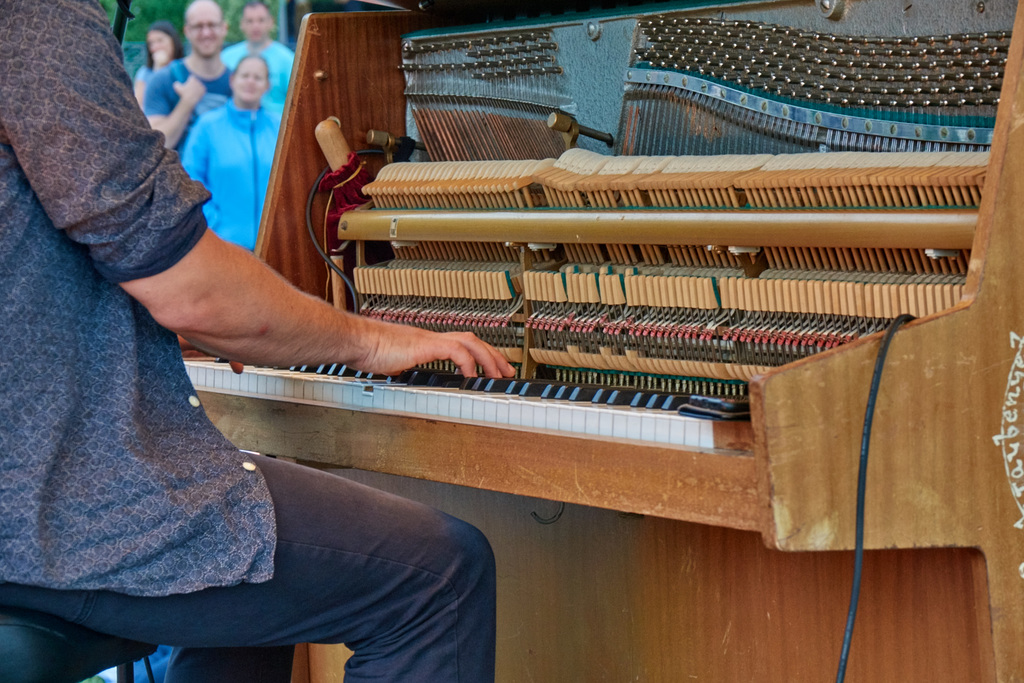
(122, 508)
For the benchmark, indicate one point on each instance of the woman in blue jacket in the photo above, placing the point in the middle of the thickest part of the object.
(230, 150)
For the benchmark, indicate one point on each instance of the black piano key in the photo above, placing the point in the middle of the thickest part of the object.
(445, 379)
(583, 394)
(673, 402)
(550, 390)
(641, 399)
(559, 393)
(474, 383)
(534, 388)
(415, 378)
(619, 397)
(654, 401)
(499, 386)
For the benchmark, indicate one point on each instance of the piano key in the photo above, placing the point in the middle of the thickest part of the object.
(445, 379)
(620, 397)
(499, 386)
(414, 377)
(583, 394)
(473, 383)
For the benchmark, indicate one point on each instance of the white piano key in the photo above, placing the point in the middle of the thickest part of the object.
(490, 409)
(514, 414)
(528, 416)
(335, 394)
(442, 404)
(707, 434)
(477, 411)
(388, 399)
(550, 416)
(465, 411)
(619, 425)
(633, 427)
(662, 431)
(648, 423)
(679, 431)
(422, 401)
(579, 420)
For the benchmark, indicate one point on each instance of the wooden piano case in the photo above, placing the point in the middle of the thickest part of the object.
(671, 564)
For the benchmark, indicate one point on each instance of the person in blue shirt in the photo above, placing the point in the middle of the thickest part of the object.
(257, 24)
(230, 150)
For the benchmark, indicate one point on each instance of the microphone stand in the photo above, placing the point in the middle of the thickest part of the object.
(121, 17)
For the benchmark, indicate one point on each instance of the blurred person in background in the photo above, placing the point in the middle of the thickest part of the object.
(257, 24)
(230, 151)
(163, 45)
(188, 87)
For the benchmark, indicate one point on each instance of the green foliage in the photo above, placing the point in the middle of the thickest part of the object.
(148, 11)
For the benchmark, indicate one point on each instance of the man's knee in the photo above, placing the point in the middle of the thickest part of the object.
(472, 554)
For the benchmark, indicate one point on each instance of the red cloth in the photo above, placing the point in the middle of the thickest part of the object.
(346, 186)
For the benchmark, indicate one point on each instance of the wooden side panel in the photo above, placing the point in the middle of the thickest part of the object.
(598, 596)
(944, 463)
(346, 66)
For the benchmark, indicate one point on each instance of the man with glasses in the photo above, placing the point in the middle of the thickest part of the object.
(188, 87)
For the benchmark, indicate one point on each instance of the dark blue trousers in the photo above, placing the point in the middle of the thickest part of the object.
(410, 590)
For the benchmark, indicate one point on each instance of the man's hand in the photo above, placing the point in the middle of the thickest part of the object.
(174, 125)
(190, 91)
(400, 347)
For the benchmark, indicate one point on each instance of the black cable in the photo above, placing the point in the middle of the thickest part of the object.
(862, 475)
(316, 243)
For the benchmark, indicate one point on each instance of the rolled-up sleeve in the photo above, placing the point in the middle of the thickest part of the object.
(100, 172)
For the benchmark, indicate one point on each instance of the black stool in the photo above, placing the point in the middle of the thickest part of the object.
(40, 648)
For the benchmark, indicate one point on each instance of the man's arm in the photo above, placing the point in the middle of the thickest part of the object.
(226, 301)
(174, 125)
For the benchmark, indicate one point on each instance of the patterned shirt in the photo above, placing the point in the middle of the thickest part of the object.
(109, 477)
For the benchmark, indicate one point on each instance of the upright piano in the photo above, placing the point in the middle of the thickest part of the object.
(729, 201)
